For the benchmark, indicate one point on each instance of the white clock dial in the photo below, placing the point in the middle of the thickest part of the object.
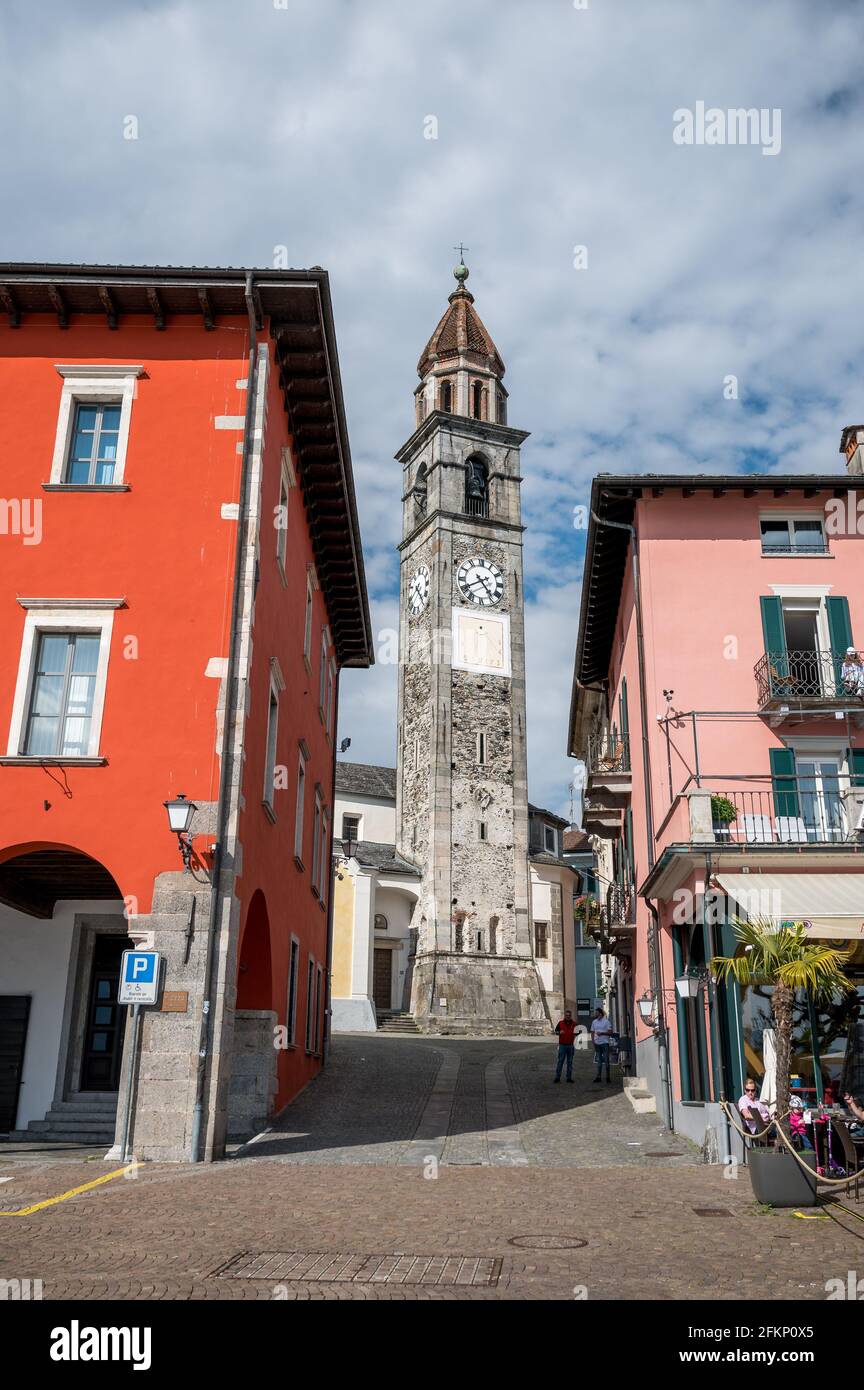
(418, 589)
(480, 582)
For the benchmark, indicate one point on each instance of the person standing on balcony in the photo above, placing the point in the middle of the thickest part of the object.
(601, 1030)
(566, 1030)
(852, 673)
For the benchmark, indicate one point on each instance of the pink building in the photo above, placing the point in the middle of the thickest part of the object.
(722, 724)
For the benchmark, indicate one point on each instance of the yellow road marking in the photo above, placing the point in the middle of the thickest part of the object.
(73, 1192)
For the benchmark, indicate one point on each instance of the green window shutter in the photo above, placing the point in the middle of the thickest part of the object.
(624, 716)
(839, 624)
(839, 634)
(628, 845)
(785, 790)
(856, 766)
(774, 637)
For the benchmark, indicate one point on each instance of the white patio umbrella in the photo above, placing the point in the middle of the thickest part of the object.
(768, 1094)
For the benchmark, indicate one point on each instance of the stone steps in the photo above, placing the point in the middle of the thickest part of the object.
(88, 1118)
(396, 1023)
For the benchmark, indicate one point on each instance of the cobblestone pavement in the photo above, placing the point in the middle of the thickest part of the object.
(540, 1191)
(465, 1102)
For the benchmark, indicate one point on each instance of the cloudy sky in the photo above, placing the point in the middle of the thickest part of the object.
(303, 123)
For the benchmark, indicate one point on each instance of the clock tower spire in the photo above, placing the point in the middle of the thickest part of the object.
(462, 796)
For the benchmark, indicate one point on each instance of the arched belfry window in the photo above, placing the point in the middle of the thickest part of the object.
(421, 490)
(477, 400)
(476, 488)
(502, 408)
(447, 397)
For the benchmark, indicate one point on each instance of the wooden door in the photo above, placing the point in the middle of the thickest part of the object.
(14, 1013)
(382, 981)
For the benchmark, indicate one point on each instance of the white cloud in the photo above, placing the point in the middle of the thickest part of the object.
(303, 126)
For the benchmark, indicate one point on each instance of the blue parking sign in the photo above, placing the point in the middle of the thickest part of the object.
(139, 977)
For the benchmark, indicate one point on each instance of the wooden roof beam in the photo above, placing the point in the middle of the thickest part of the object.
(59, 306)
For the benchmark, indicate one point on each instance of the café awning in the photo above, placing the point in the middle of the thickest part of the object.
(832, 905)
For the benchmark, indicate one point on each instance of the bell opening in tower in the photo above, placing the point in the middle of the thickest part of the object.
(476, 488)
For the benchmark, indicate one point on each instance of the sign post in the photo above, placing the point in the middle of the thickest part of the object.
(139, 985)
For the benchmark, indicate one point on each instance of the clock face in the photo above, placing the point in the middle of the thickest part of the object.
(480, 582)
(418, 589)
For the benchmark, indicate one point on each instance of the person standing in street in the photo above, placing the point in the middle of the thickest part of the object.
(566, 1030)
(601, 1029)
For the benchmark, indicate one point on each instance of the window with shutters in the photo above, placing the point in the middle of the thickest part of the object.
(807, 638)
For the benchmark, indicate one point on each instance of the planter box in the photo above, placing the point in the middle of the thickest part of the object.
(778, 1179)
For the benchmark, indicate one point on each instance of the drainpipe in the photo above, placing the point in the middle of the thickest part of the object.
(328, 1003)
(662, 1039)
(205, 1041)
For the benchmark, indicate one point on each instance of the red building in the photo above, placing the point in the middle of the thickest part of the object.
(181, 582)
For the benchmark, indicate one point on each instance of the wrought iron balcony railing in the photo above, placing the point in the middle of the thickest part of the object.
(804, 675)
(608, 753)
(620, 908)
(797, 811)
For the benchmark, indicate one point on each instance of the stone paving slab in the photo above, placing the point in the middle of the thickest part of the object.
(619, 1233)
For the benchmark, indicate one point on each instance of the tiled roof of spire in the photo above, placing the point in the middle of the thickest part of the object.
(460, 330)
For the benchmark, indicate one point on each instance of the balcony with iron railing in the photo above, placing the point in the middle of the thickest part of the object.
(612, 918)
(794, 811)
(608, 767)
(810, 677)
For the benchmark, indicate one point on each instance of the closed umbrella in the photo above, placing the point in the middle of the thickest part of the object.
(768, 1094)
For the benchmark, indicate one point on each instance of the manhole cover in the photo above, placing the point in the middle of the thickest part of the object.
(327, 1267)
(547, 1242)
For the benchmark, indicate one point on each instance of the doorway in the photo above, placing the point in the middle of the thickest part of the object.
(803, 646)
(105, 1020)
(14, 1015)
(382, 979)
(819, 796)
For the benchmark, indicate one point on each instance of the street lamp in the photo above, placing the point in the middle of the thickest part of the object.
(689, 984)
(180, 816)
(645, 1005)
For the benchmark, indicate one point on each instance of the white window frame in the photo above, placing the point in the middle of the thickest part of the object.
(789, 518)
(547, 831)
(87, 382)
(316, 840)
(325, 855)
(331, 692)
(300, 804)
(307, 622)
(50, 617)
(319, 1007)
(322, 676)
(277, 685)
(291, 1001)
(310, 995)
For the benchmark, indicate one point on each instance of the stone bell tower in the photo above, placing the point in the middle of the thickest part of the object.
(462, 797)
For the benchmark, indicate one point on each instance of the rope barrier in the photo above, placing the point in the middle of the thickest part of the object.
(820, 1177)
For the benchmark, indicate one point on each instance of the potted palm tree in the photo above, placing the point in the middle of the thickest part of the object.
(784, 956)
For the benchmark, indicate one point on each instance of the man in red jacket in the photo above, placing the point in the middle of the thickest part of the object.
(566, 1030)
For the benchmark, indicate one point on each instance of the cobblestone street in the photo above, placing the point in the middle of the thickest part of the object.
(539, 1191)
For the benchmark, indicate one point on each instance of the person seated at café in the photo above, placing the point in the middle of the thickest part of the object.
(755, 1113)
(856, 1128)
